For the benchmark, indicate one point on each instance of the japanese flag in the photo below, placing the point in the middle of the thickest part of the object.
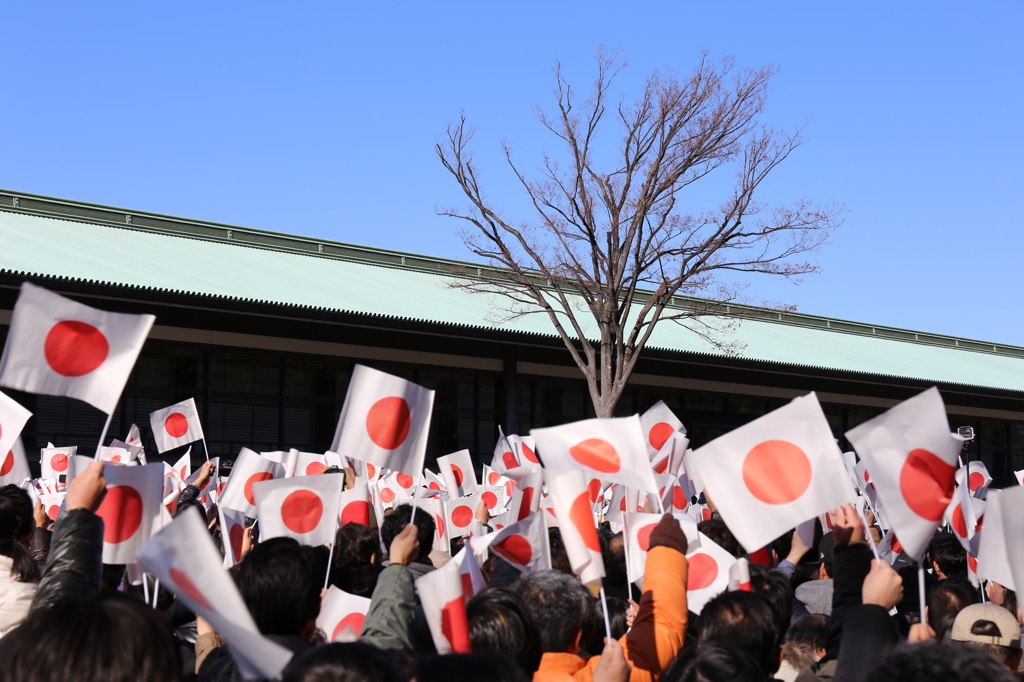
(309, 463)
(395, 486)
(977, 475)
(182, 469)
(890, 547)
(115, 455)
(673, 495)
(459, 514)
(962, 515)
(435, 507)
(12, 420)
(495, 498)
(774, 473)
(305, 509)
(176, 425)
(250, 468)
(433, 481)
(384, 421)
(524, 544)
(568, 492)
(52, 503)
(739, 576)
(1001, 551)
(505, 456)
(638, 527)
(444, 606)
(130, 509)
(54, 462)
(342, 615)
(708, 573)
(912, 457)
(56, 346)
(469, 572)
(14, 465)
(458, 474)
(185, 560)
(669, 460)
(610, 449)
(659, 423)
(232, 530)
(355, 505)
(526, 496)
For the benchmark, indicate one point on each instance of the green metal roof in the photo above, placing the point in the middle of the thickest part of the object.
(86, 242)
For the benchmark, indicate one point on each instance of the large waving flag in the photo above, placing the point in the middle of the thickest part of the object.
(568, 492)
(342, 615)
(609, 449)
(444, 606)
(250, 468)
(56, 346)
(524, 544)
(304, 508)
(130, 509)
(774, 473)
(912, 457)
(184, 558)
(1001, 550)
(176, 425)
(384, 421)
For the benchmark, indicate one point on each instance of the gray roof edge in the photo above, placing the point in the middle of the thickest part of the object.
(145, 221)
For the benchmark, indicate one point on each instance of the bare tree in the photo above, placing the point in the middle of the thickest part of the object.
(612, 248)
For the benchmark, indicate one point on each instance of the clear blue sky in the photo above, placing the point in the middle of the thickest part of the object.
(319, 118)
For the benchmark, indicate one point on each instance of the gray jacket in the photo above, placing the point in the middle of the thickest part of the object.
(392, 608)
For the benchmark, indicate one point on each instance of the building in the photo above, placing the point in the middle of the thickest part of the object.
(263, 329)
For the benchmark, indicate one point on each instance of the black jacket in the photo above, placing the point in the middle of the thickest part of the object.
(74, 566)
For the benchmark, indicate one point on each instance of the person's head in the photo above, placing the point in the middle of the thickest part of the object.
(990, 629)
(928, 662)
(713, 663)
(16, 523)
(719, 533)
(553, 601)
(805, 640)
(774, 587)
(280, 582)
(825, 547)
(349, 662)
(108, 639)
(948, 557)
(468, 668)
(746, 621)
(949, 596)
(395, 522)
(499, 622)
(356, 545)
(559, 555)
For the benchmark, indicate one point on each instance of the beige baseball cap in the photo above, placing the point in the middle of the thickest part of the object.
(986, 624)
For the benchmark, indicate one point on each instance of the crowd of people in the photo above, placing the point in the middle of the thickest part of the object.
(824, 611)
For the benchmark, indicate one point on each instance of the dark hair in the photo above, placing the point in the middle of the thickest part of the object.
(949, 597)
(744, 620)
(950, 556)
(719, 533)
(499, 622)
(811, 630)
(86, 639)
(356, 545)
(468, 668)
(593, 628)
(395, 522)
(713, 663)
(344, 662)
(776, 588)
(280, 581)
(553, 600)
(164, 597)
(559, 556)
(16, 521)
(928, 662)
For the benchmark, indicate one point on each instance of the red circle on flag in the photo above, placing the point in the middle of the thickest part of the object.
(927, 484)
(433, 485)
(255, 478)
(659, 434)
(661, 467)
(895, 545)
(526, 503)
(121, 512)
(492, 478)
(972, 563)
(357, 511)
(183, 470)
(314, 468)
(462, 516)
(594, 490)
(457, 473)
(702, 573)
(528, 454)
(777, 472)
(622, 503)
(490, 499)
(643, 536)
(371, 471)
(301, 511)
(74, 348)
(959, 522)
(404, 480)
(188, 588)
(388, 422)
(176, 425)
(221, 486)
(440, 526)
(509, 460)
(866, 475)
(679, 500)
(387, 495)
(599, 455)
(236, 536)
(582, 517)
(8, 464)
(353, 622)
(975, 481)
(454, 625)
(515, 548)
(705, 514)
(467, 584)
(52, 512)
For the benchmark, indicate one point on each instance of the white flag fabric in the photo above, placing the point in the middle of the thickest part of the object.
(912, 457)
(459, 515)
(962, 515)
(524, 544)
(444, 606)
(977, 475)
(250, 468)
(52, 503)
(659, 423)
(12, 420)
(115, 455)
(130, 509)
(637, 529)
(303, 508)
(505, 456)
(342, 615)
(1001, 550)
(708, 573)
(57, 346)
(384, 421)
(232, 530)
(182, 469)
(673, 495)
(435, 507)
(185, 560)
(458, 474)
(176, 425)
(469, 573)
(54, 462)
(14, 465)
(1019, 475)
(568, 492)
(526, 496)
(355, 505)
(610, 449)
(768, 476)
(669, 460)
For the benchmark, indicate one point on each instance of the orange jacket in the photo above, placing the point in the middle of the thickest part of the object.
(657, 633)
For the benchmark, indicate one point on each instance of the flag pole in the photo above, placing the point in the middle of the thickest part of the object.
(156, 591)
(867, 532)
(206, 450)
(145, 588)
(920, 586)
(103, 436)
(330, 558)
(604, 609)
(415, 498)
